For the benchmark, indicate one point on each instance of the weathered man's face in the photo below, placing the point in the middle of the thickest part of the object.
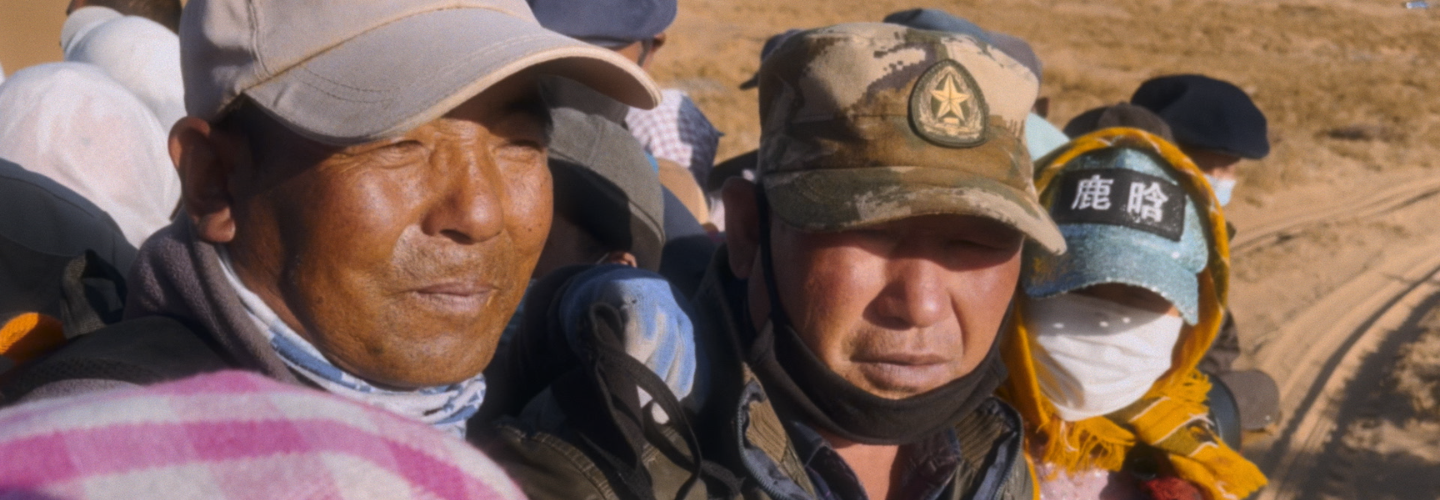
(401, 259)
(897, 309)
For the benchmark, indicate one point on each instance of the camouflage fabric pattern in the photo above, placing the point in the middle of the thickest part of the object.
(866, 123)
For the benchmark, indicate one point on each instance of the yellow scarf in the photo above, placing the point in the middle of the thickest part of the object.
(1172, 415)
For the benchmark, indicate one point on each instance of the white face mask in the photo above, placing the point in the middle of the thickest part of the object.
(1223, 189)
(1094, 356)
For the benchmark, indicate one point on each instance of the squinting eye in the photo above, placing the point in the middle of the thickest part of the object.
(398, 146)
(521, 152)
(405, 147)
(391, 155)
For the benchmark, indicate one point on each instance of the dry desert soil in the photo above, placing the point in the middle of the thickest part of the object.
(1336, 259)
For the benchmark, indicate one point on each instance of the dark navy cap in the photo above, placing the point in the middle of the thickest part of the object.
(607, 23)
(1206, 113)
(937, 20)
(770, 46)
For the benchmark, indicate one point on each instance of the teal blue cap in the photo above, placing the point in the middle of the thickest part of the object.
(1126, 219)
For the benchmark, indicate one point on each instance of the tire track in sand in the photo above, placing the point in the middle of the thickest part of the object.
(1318, 353)
(1267, 232)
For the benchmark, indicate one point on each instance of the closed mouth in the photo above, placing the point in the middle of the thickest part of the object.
(456, 295)
(902, 359)
(906, 373)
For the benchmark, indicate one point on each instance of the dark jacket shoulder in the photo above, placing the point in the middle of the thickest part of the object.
(56, 220)
(139, 351)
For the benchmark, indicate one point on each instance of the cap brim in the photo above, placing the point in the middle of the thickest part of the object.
(1093, 260)
(403, 74)
(753, 82)
(840, 199)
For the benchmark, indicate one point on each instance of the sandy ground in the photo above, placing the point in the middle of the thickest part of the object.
(30, 32)
(1392, 441)
(1336, 281)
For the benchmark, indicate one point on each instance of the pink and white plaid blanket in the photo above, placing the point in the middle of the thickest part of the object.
(233, 435)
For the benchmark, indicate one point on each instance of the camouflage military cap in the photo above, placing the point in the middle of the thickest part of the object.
(866, 123)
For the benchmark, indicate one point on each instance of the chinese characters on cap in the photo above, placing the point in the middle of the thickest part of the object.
(1120, 197)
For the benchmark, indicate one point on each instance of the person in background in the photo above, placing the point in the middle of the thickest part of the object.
(1105, 339)
(1217, 125)
(329, 241)
(676, 135)
(164, 12)
(1041, 137)
(75, 124)
(608, 203)
(676, 132)
(136, 51)
(610, 207)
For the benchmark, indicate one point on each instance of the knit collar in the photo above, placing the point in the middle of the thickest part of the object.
(444, 407)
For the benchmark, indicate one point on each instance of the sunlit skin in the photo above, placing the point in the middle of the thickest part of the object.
(897, 308)
(401, 259)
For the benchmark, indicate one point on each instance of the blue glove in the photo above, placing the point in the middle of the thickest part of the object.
(656, 320)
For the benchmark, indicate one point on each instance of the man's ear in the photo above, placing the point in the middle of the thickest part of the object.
(655, 44)
(742, 226)
(205, 158)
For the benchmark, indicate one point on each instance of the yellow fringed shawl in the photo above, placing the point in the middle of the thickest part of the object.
(1172, 415)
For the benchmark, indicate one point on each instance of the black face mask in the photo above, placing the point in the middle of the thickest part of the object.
(802, 385)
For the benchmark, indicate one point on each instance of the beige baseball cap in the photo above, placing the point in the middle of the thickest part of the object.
(866, 123)
(352, 71)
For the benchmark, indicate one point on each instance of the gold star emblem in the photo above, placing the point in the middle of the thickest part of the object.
(949, 98)
(948, 108)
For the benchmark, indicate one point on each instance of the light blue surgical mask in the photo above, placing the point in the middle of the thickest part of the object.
(1223, 188)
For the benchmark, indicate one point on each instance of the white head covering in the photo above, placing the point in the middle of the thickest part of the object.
(76, 125)
(139, 53)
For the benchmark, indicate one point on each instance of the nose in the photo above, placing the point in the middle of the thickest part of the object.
(468, 204)
(915, 296)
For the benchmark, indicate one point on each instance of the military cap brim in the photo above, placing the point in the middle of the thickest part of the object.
(843, 199)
